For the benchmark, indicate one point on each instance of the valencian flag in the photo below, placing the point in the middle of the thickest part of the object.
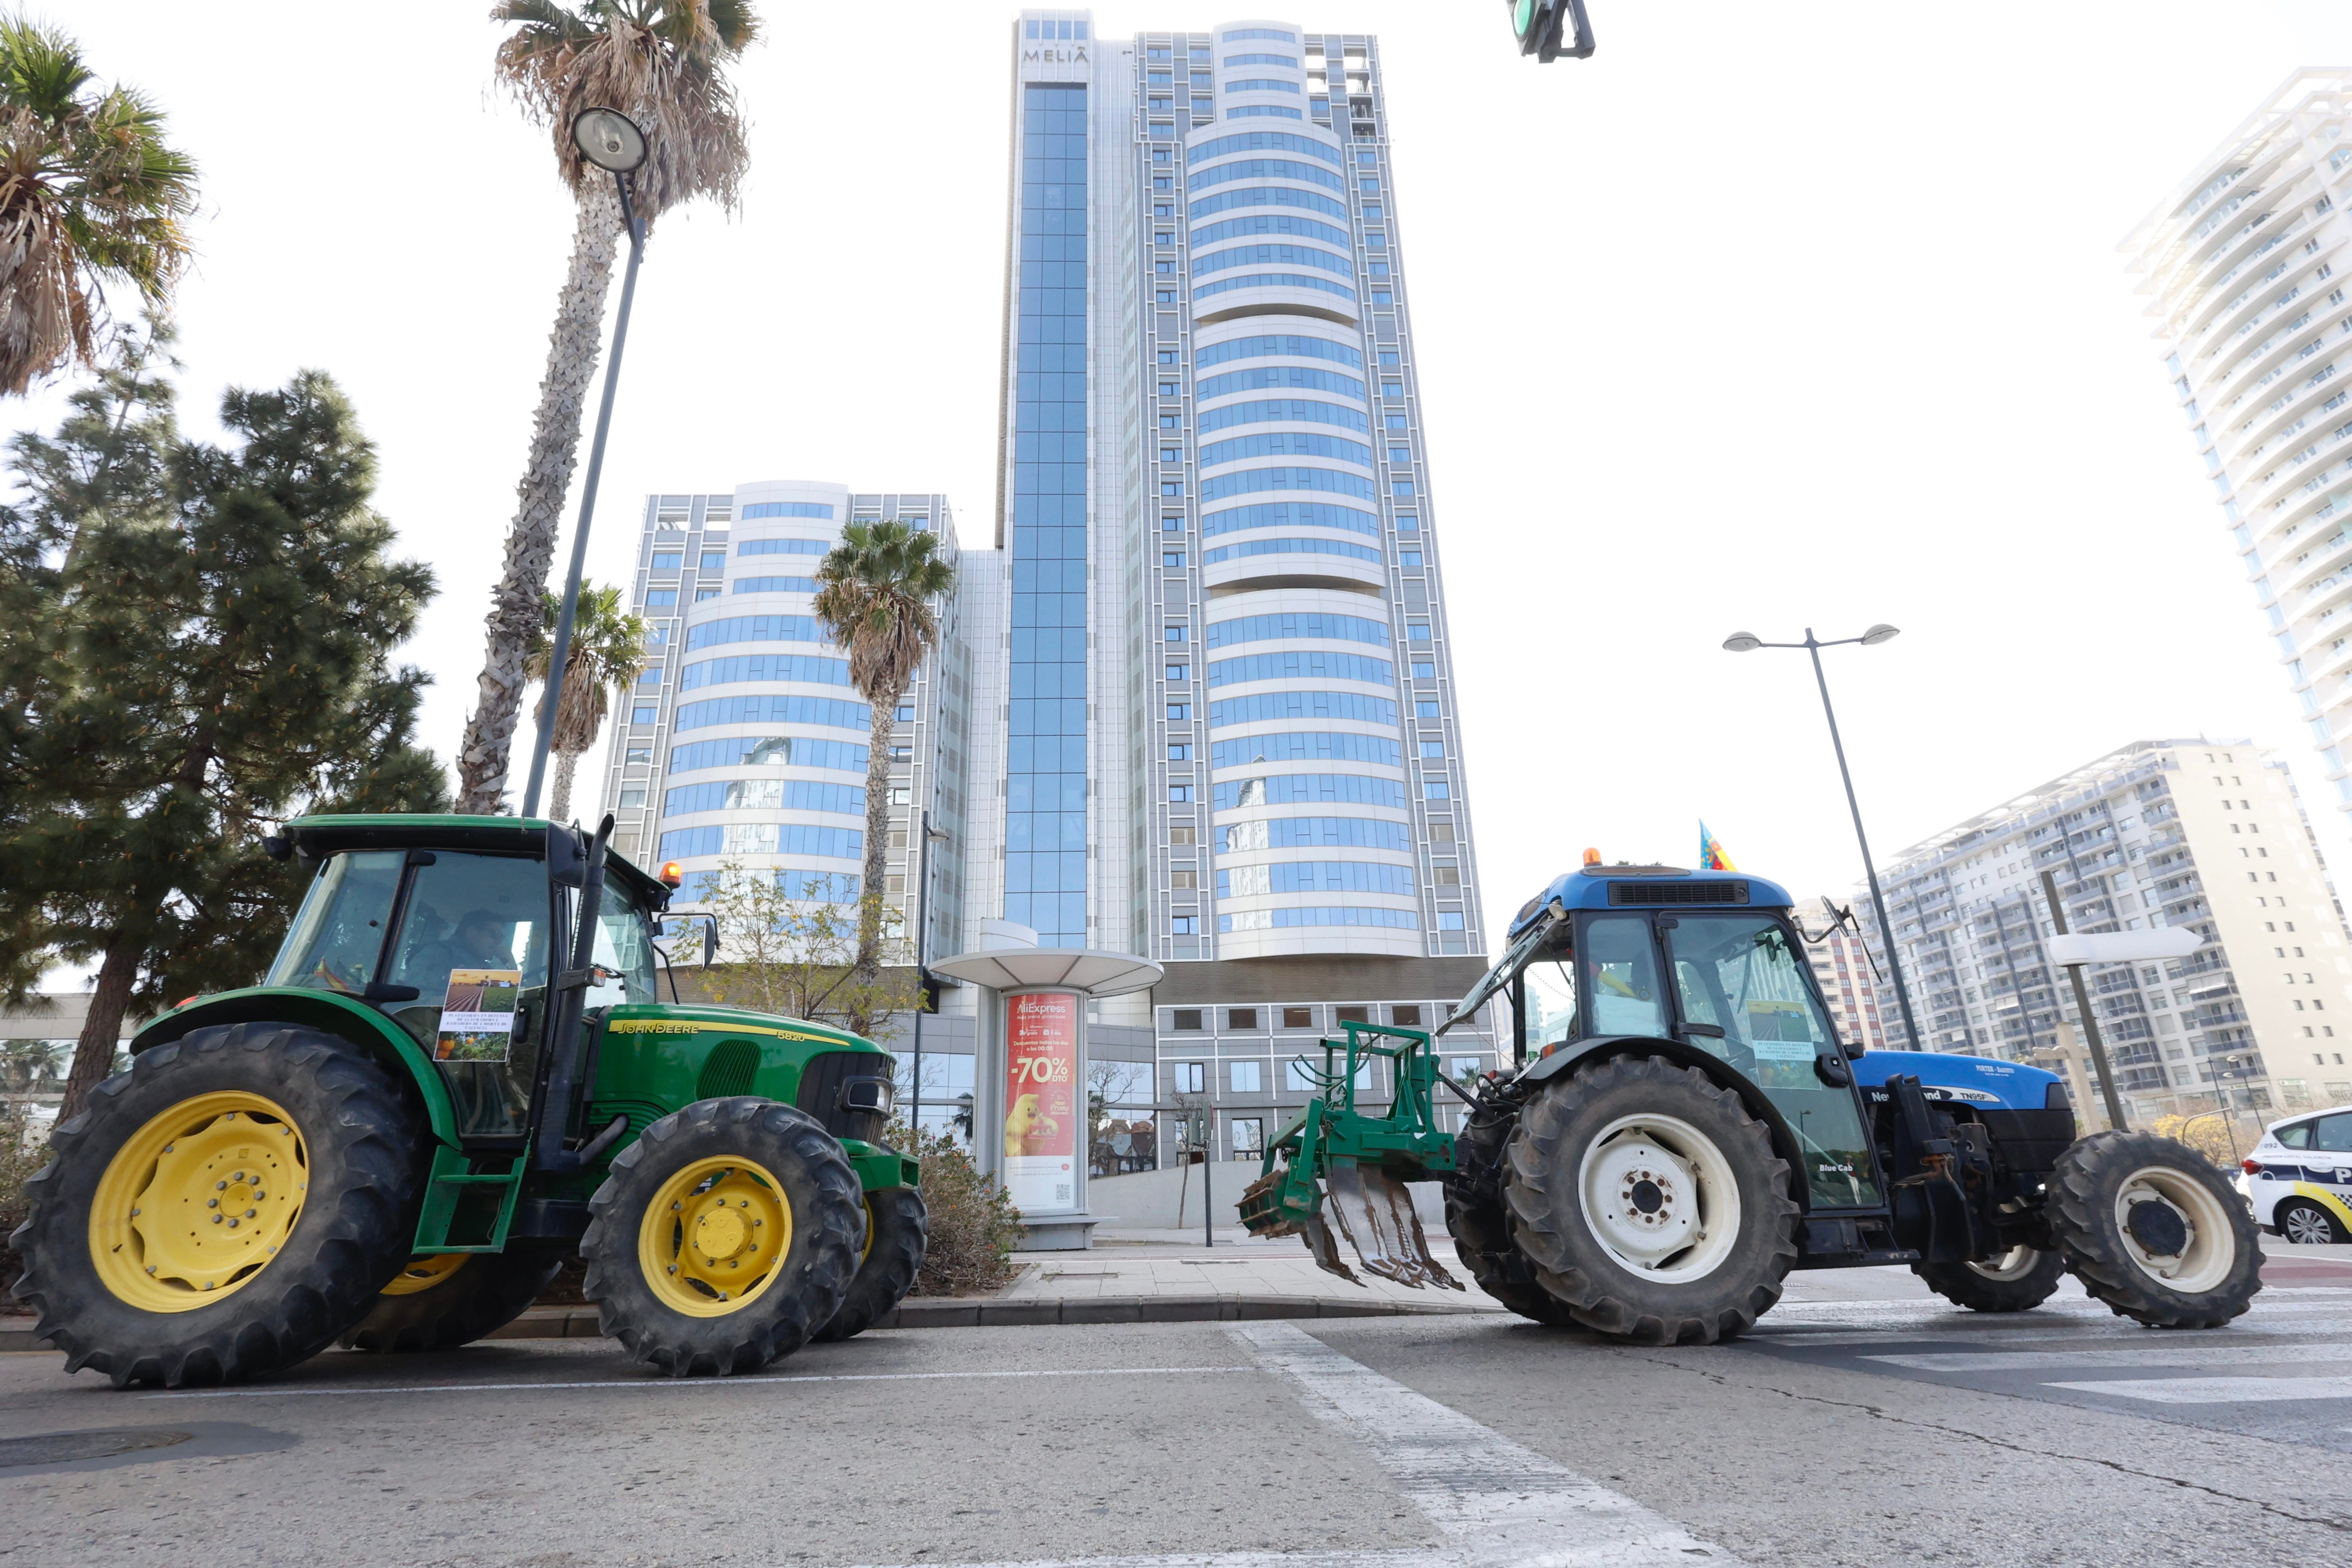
(1711, 857)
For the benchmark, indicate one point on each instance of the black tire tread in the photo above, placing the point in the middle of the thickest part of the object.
(347, 1243)
(789, 1311)
(901, 1232)
(1541, 1219)
(2082, 1221)
(491, 1290)
(1964, 1287)
(1481, 1226)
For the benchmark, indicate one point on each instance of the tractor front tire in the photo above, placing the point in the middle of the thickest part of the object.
(2018, 1281)
(1481, 1226)
(1650, 1204)
(724, 1238)
(448, 1300)
(2152, 1229)
(897, 1230)
(222, 1210)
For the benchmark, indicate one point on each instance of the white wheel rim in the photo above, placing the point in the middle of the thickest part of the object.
(2210, 1248)
(1660, 1197)
(2306, 1226)
(2015, 1264)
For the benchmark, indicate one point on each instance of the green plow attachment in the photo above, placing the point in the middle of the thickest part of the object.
(1355, 1164)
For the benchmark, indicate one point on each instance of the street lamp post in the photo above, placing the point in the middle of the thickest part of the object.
(1748, 642)
(611, 142)
(922, 954)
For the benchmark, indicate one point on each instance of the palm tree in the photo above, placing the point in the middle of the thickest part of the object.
(608, 650)
(659, 62)
(90, 194)
(874, 593)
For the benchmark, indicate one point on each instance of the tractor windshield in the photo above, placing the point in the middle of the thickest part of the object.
(335, 939)
(623, 944)
(1740, 975)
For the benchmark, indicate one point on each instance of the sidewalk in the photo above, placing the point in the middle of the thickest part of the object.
(1168, 1277)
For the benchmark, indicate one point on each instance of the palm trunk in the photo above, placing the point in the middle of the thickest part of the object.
(573, 352)
(566, 764)
(102, 1031)
(867, 971)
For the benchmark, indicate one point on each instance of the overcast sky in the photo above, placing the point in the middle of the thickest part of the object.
(1766, 317)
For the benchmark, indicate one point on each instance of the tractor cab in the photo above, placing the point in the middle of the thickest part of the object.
(1701, 966)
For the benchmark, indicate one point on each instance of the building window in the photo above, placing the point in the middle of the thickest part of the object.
(644, 713)
(1172, 633)
(667, 560)
(1181, 836)
(1179, 672)
(1185, 925)
(1188, 1075)
(902, 795)
(1424, 670)
(1180, 751)
(1416, 631)
(633, 798)
(1248, 1077)
(661, 598)
(1391, 389)
(1249, 1136)
(1406, 1015)
(1449, 920)
(701, 594)
(1184, 1018)
(1172, 561)
(1171, 525)
(637, 757)
(714, 560)
(1179, 713)
(1298, 1018)
(1433, 749)
(1179, 794)
(1184, 876)
(1410, 560)
(1353, 1014)
(905, 714)
(1241, 1017)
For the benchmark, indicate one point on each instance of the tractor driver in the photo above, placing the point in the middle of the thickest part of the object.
(1624, 967)
(483, 940)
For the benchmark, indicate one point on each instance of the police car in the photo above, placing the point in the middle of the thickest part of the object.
(2299, 1178)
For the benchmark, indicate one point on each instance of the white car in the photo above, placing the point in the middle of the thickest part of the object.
(2299, 1178)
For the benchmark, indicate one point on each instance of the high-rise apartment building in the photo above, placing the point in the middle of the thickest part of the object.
(2244, 266)
(745, 743)
(1228, 730)
(2206, 834)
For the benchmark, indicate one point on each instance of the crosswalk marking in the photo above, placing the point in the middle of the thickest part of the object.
(2186, 1352)
(2218, 1390)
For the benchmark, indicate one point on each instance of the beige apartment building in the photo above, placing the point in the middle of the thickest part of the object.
(2208, 834)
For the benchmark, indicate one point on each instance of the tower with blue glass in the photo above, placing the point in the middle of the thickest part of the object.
(1227, 716)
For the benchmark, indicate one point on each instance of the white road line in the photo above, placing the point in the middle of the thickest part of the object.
(2189, 1352)
(1497, 1502)
(2328, 1325)
(705, 1384)
(2218, 1390)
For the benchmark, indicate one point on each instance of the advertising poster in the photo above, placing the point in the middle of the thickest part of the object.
(1042, 1113)
(478, 1016)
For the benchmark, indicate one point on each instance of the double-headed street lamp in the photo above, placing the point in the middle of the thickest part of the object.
(1748, 642)
(611, 142)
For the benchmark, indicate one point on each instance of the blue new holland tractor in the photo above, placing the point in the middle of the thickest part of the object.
(1681, 1126)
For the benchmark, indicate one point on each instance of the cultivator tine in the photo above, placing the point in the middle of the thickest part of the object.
(1409, 1229)
(1368, 1222)
(1326, 1250)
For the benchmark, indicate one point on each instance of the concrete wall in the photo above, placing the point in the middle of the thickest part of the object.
(1149, 1199)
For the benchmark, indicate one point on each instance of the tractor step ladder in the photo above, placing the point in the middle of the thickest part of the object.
(452, 1174)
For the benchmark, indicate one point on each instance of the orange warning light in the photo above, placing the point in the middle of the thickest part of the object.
(672, 873)
(1592, 856)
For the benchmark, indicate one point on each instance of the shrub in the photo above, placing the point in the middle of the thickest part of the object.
(22, 1156)
(973, 1222)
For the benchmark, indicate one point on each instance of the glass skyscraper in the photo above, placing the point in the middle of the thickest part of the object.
(1227, 723)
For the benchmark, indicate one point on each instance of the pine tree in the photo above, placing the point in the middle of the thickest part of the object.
(209, 653)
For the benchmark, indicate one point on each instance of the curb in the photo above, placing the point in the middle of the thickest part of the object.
(950, 1312)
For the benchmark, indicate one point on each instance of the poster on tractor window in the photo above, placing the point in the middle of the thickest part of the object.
(478, 1016)
(1042, 1112)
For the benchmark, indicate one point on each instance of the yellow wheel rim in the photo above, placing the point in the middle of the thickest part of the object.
(712, 1238)
(196, 1204)
(425, 1271)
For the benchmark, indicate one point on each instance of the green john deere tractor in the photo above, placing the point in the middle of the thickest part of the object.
(450, 1081)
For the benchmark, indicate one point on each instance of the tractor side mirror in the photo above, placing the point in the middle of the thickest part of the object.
(709, 941)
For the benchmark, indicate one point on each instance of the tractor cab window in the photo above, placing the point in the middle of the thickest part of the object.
(623, 944)
(1741, 974)
(335, 939)
(1620, 976)
(473, 941)
(1549, 993)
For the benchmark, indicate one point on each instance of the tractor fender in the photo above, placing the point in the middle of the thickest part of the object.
(346, 1017)
(1566, 1054)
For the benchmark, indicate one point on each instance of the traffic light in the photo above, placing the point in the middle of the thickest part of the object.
(1540, 27)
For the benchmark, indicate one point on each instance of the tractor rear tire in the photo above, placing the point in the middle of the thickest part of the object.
(724, 1238)
(2012, 1283)
(2152, 1229)
(434, 1305)
(1481, 1226)
(1650, 1204)
(897, 1230)
(275, 1170)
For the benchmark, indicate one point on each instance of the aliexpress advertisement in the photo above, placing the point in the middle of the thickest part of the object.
(1042, 1113)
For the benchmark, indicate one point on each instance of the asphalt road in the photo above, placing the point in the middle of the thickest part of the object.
(1850, 1432)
